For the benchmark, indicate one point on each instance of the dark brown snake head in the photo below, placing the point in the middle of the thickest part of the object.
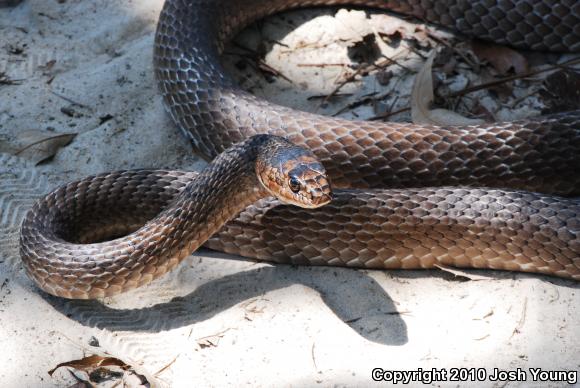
(293, 175)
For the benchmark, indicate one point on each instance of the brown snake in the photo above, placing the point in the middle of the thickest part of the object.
(171, 213)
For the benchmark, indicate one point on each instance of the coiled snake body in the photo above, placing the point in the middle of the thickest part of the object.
(380, 221)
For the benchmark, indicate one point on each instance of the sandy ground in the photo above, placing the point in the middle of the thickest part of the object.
(86, 67)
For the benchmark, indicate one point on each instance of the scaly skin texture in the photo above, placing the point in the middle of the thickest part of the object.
(415, 228)
(162, 220)
(538, 154)
(409, 228)
(371, 228)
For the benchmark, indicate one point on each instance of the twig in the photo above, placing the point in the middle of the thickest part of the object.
(279, 43)
(467, 60)
(459, 273)
(513, 78)
(71, 100)
(364, 100)
(166, 366)
(395, 100)
(522, 320)
(319, 96)
(487, 85)
(522, 98)
(359, 71)
(261, 65)
(390, 61)
(324, 64)
(265, 67)
(383, 116)
(4, 80)
(312, 355)
(348, 79)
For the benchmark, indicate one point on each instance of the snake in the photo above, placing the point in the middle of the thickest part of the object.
(293, 187)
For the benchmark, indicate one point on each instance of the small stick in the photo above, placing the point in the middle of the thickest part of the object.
(513, 78)
(431, 36)
(487, 85)
(71, 100)
(265, 67)
(324, 64)
(319, 96)
(389, 114)
(362, 101)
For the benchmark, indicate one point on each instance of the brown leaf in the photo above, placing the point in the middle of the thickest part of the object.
(35, 145)
(422, 97)
(561, 91)
(100, 369)
(90, 363)
(503, 59)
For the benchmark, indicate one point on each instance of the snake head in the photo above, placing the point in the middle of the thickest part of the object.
(293, 174)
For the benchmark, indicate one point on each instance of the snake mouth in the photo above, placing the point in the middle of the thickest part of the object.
(320, 200)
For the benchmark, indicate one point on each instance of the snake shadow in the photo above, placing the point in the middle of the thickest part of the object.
(353, 296)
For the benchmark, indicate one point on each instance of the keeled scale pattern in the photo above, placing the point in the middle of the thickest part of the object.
(538, 154)
(414, 229)
(51, 243)
(411, 228)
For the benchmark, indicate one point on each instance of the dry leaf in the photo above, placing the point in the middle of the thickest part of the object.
(422, 97)
(100, 369)
(503, 59)
(90, 363)
(35, 145)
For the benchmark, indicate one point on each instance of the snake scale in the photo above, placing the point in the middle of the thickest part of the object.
(497, 196)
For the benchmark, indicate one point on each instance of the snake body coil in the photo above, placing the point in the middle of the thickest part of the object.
(399, 227)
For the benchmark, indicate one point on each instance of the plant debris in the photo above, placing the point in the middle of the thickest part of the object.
(98, 369)
(422, 97)
(462, 274)
(5, 80)
(367, 66)
(211, 341)
(503, 59)
(35, 145)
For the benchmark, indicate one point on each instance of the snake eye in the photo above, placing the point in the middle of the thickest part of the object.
(294, 184)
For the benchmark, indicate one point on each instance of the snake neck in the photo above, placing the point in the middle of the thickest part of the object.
(220, 192)
(93, 270)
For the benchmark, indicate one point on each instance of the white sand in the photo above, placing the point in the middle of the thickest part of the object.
(217, 321)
